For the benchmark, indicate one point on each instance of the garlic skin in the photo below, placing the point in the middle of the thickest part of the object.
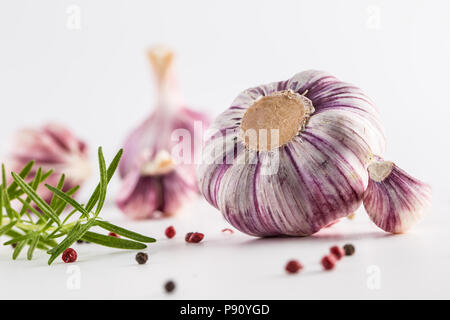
(51, 146)
(154, 183)
(321, 174)
(394, 200)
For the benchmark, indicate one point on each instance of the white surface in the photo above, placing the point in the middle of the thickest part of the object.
(97, 81)
(237, 266)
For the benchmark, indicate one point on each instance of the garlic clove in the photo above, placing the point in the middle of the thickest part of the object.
(51, 146)
(394, 200)
(157, 181)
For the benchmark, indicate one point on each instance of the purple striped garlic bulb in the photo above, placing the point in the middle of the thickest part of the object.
(290, 157)
(55, 147)
(158, 177)
(394, 200)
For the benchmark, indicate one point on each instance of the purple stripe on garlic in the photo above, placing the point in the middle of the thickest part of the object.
(394, 200)
(312, 176)
(52, 147)
(155, 182)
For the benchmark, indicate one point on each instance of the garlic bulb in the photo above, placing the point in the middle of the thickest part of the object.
(290, 157)
(155, 182)
(52, 146)
(394, 200)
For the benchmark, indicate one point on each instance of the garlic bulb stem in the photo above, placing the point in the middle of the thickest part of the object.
(168, 96)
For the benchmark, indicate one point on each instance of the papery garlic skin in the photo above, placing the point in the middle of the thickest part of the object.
(322, 170)
(394, 200)
(154, 183)
(52, 147)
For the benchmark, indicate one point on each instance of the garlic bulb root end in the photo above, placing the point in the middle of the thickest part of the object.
(274, 120)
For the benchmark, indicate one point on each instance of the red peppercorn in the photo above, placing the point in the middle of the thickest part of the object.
(69, 255)
(115, 235)
(337, 252)
(329, 262)
(170, 232)
(227, 230)
(194, 237)
(293, 266)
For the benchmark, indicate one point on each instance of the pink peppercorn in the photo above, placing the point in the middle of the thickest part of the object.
(337, 252)
(69, 255)
(293, 266)
(194, 237)
(170, 232)
(329, 262)
(115, 235)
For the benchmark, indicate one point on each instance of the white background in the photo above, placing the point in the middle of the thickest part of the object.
(97, 80)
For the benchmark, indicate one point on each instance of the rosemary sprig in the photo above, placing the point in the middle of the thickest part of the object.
(37, 224)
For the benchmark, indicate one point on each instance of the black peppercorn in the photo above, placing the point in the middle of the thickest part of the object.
(141, 258)
(169, 286)
(14, 245)
(349, 249)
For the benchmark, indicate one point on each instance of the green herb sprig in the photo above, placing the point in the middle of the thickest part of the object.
(39, 225)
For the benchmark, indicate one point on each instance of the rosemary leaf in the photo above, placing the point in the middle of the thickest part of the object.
(27, 205)
(6, 202)
(9, 226)
(112, 242)
(36, 198)
(19, 249)
(21, 238)
(54, 201)
(103, 182)
(20, 192)
(1, 204)
(111, 170)
(33, 243)
(24, 174)
(124, 232)
(34, 185)
(62, 206)
(63, 196)
(3, 176)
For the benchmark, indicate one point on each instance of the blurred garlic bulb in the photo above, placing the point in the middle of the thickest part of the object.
(394, 200)
(52, 147)
(290, 157)
(155, 183)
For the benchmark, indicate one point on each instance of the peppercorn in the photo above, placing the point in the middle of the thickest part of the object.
(115, 235)
(328, 262)
(14, 245)
(141, 258)
(227, 230)
(349, 249)
(169, 286)
(337, 252)
(194, 237)
(170, 232)
(293, 266)
(69, 255)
